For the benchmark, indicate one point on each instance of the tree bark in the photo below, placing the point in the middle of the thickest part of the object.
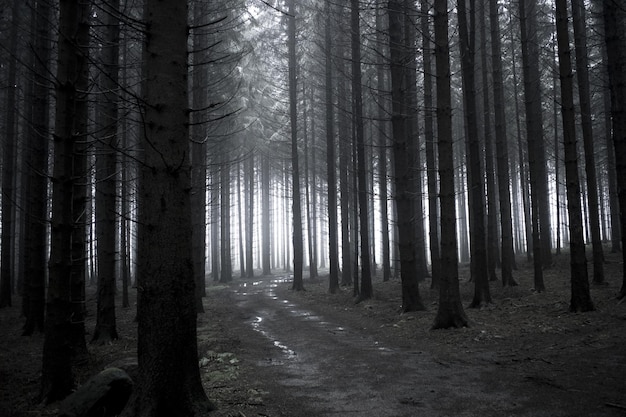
(475, 183)
(331, 169)
(502, 152)
(106, 172)
(615, 38)
(534, 134)
(581, 298)
(399, 58)
(168, 382)
(450, 311)
(59, 341)
(366, 290)
(36, 256)
(298, 283)
(431, 163)
(584, 97)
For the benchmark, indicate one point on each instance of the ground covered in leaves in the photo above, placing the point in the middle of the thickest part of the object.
(579, 357)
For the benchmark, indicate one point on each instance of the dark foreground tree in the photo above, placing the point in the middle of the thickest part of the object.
(168, 383)
(71, 79)
(581, 299)
(411, 300)
(615, 36)
(450, 312)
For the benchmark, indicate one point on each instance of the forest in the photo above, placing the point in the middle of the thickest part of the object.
(178, 176)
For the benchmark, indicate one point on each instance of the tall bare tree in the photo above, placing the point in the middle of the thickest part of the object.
(450, 311)
(502, 154)
(168, 381)
(298, 250)
(366, 289)
(399, 57)
(584, 98)
(615, 37)
(581, 298)
(60, 340)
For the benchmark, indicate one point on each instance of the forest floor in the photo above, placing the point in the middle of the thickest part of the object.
(266, 350)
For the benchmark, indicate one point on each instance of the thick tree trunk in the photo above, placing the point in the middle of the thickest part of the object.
(581, 298)
(168, 382)
(450, 311)
(399, 55)
(475, 183)
(615, 36)
(199, 100)
(7, 242)
(36, 256)
(59, 343)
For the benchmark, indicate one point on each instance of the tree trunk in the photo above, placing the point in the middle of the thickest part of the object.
(584, 96)
(249, 202)
(199, 100)
(7, 242)
(36, 256)
(266, 216)
(431, 163)
(502, 152)
(475, 183)
(226, 266)
(366, 290)
(298, 251)
(399, 56)
(168, 382)
(534, 134)
(331, 169)
(59, 342)
(450, 311)
(493, 256)
(106, 171)
(615, 36)
(581, 298)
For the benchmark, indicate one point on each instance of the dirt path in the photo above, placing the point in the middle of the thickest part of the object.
(313, 363)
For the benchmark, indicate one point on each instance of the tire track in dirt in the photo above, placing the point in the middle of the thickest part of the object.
(320, 367)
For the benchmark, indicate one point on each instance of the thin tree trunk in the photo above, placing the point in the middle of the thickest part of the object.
(106, 172)
(298, 283)
(493, 256)
(331, 170)
(502, 151)
(366, 290)
(584, 97)
(534, 134)
(431, 164)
